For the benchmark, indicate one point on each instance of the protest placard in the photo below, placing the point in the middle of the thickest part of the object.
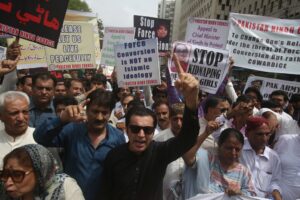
(32, 55)
(224, 196)
(76, 49)
(207, 32)
(150, 27)
(2, 53)
(137, 63)
(264, 43)
(207, 64)
(268, 85)
(37, 21)
(113, 36)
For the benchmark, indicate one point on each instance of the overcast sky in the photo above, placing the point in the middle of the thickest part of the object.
(120, 12)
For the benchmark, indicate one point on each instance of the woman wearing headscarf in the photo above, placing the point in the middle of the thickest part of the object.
(29, 173)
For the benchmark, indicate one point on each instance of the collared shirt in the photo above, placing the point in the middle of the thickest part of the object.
(265, 169)
(8, 143)
(81, 160)
(209, 143)
(37, 116)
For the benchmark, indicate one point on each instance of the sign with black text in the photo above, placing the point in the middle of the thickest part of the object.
(37, 21)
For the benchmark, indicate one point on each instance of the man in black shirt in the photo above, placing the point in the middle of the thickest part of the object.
(135, 170)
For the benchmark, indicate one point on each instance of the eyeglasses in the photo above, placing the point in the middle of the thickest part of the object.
(16, 175)
(148, 130)
(223, 110)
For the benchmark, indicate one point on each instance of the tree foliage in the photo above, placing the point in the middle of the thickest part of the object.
(79, 5)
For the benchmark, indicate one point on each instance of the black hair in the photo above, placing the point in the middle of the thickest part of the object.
(211, 102)
(64, 100)
(256, 91)
(140, 111)
(99, 78)
(281, 93)
(136, 102)
(102, 98)
(45, 76)
(295, 98)
(230, 132)
(270, 104)
(22, 80)
(68, 82)
(159, 103)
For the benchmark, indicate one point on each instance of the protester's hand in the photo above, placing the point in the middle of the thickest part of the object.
(8, 66)
(118, 114)
(188, 85)
(74, 113)
(232, 192)
(212, 126)
(13, 50)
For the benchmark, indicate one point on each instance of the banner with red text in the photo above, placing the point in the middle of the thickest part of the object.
(37, 21)
(264, 43)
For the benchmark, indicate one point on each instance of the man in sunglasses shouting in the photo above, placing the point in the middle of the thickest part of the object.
(135, 170)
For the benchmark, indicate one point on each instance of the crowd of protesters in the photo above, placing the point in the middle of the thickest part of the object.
(84, 137)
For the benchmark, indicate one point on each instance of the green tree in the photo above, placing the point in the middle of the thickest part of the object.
(79, 5)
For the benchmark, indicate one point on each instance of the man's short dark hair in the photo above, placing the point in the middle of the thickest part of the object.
(44, 76)
(159, 103)
(280, 93)
(101, 98)
(211, 102)
(140, 111)
(270, 104)
(22, 80)
(68, 82)
(256, 91)
(99, 78)
(64, 100)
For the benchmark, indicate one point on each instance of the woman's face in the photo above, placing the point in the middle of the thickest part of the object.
(20, 187)
(230, 150)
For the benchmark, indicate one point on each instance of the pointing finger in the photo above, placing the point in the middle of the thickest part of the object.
(178, 65)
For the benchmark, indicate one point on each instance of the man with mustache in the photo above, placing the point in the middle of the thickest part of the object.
(86, 138)
(162, 112)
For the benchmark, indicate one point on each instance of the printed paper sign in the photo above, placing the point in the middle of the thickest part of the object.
(113, 36)
(137, 63)
(76, 48)
(268, 85)
(37, 21)
(264, 43)
(207, 32)
(207, 64)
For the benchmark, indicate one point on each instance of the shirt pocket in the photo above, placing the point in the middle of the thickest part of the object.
(264, 180)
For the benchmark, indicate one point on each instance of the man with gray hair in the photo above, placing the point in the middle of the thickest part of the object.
(14, 113)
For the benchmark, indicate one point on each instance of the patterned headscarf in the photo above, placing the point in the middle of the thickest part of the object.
(49, 184)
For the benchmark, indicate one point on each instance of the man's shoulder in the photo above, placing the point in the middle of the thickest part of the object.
(115, 134)
(163, 135)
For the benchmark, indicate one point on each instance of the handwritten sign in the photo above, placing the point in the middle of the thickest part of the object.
(207, 64)
(268, 85)
(76, 48)
(207, 32)
(150, 27)
(264, 43)
(137, 63)
(37, 21)
(113, 36)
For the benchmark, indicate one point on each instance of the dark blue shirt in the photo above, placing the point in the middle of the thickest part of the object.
(81, 160)
(37, 116)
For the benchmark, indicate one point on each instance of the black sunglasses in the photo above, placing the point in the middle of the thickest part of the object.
(148, 130)
(16, 175)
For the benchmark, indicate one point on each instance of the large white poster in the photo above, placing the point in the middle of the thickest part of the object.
(207, 32)
(222, 196)
(268, 85)
(137, 63)
(264, 43)
(113, 36)
(207, 64)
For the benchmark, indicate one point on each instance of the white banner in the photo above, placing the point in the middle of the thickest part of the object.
(137, 63)
(207, 64)
(113, 36)
(268, 85)
(264, 43)
(222, 196)
(207, 32)
(2, 53)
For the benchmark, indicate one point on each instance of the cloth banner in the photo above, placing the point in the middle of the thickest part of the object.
(268, 85)
(207, 64)
(264, 43)
(207, 32)
(137, 63)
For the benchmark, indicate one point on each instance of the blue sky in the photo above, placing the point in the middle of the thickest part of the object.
(120, 12)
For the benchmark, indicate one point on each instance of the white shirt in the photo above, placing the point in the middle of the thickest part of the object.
(174, 170)
(8, 143)
(265, 169)
(209, 142)
(72, 190)
(288, 149)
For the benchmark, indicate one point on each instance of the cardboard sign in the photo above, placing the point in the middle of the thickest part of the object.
(265, 43)
(207, 32)
(137, 63)
(150, 27)
(268, 85)
(37, 21)
(114, 36)
(76, 49)
(207, 64)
